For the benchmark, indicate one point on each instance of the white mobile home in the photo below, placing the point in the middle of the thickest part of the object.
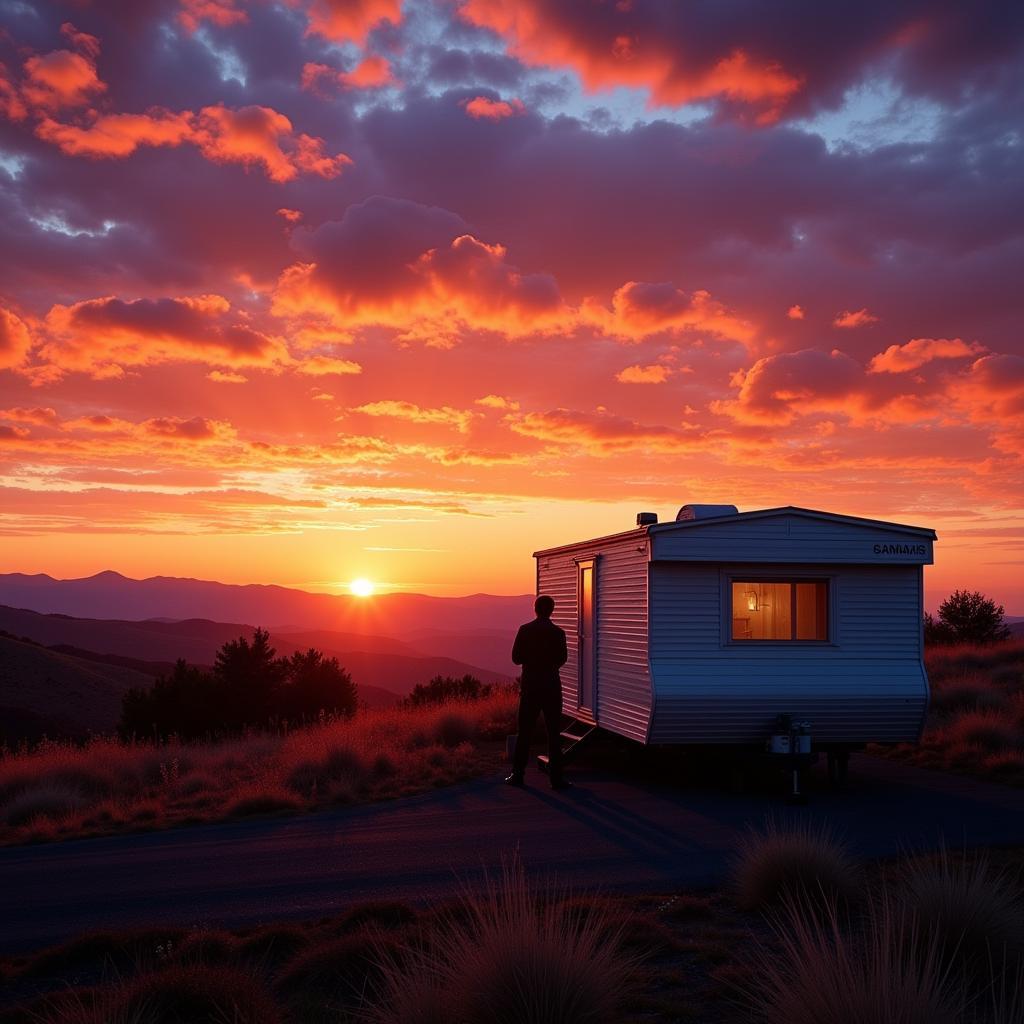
(706, 629)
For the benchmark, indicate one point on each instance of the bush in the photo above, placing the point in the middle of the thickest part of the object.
(798, 861)
(992, 731)
(887, 972)
(511, 955)
(48, 800)
(442, 689)
(453, 729)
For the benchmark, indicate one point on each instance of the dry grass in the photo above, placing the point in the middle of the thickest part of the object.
(884, 972)
(60, 790)
(973, 913)
(802, 861)
(976, 720)
(513, 954)
(510, 951)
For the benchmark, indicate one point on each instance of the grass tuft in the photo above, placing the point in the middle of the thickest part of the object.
(795, 861)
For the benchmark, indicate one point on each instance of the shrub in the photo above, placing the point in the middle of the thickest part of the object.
(511, 954)
(802, 860)
(883, 973)
(442, 689)
(990, 730)
(973, 914)
(452, 729)
(968, 694)
(48, 800)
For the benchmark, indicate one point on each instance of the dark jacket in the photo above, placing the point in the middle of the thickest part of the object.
(540, 649)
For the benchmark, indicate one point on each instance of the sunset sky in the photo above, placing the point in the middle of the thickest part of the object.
(310, 290)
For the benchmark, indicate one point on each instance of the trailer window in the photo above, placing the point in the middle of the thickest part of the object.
(779, 610)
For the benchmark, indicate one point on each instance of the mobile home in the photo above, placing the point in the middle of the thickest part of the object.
(706, 629)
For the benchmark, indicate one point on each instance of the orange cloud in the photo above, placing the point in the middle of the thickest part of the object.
(795, 312)
(198, 428)
(351, 20)
(467, 279)
(497, 402)
(779, 388)
(600, 434)
(43, 417)
(103, 335)
(858, 318)
(325, 366)
(607, 55)
(15, 340)
(656, 373)
(60, 79)
(482, 108)
(260, 135)
(640, 309)
(460, 419)
(992, 388)
(222, 13)
(226, 377)
(372, 72)
(917, 352)
(118, 135)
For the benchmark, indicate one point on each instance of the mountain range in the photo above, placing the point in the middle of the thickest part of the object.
(168, 597)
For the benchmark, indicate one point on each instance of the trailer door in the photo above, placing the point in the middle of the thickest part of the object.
(587, 661)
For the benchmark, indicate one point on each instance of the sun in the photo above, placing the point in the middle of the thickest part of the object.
(361, 587)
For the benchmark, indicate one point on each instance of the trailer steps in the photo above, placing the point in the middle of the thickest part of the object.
(573, 736)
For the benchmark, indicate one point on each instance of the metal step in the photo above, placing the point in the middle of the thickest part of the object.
(571, 742)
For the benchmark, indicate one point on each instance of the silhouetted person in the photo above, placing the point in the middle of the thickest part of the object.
(540, 649)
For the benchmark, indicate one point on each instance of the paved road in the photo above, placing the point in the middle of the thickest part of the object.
(609, 831)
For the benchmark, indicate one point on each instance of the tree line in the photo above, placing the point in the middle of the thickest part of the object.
(248, 687)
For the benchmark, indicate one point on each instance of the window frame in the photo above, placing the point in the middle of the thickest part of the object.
(738, 576)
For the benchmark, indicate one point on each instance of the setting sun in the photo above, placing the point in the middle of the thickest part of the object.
(361, 587)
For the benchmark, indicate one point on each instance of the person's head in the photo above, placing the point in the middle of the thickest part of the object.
(544, 606)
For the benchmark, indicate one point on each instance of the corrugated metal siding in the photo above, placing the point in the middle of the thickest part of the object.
(623, 676)
(868, 683)
(789, 538)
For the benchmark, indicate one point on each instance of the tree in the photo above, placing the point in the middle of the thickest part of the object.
(314, 684)
(445, 688)
(249, 686)
(968, 617)
(251, 676)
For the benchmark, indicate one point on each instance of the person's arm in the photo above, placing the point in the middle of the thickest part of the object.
(563, 650)
(517, 648)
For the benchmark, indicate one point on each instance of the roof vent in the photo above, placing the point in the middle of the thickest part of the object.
(646, 518)
(689, 512)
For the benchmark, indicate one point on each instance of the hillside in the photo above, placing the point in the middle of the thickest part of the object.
(42, 691)
(388, 615)
(373, 661)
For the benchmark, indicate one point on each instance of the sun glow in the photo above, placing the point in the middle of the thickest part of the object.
(361, 587)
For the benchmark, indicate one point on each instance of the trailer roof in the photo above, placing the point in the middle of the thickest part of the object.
(688, 524)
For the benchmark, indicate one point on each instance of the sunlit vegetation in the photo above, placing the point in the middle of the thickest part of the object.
(976, 719)
(62, 790)
(928, 940)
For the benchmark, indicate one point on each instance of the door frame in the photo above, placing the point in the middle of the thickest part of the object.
(582, 668)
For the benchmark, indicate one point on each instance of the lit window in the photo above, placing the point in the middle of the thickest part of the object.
(773, 610)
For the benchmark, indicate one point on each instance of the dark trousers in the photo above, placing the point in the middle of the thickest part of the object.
(546, 702)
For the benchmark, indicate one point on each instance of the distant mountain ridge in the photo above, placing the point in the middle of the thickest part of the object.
(111, 595)
(379, 665)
